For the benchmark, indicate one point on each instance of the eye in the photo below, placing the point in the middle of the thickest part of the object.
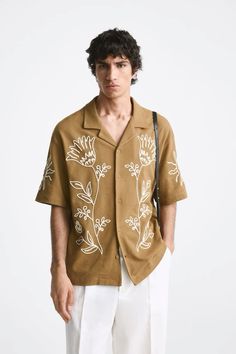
(101, 65)
(121, 65)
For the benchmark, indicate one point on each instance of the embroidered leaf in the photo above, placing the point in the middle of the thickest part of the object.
(100, 170)
(79, 241)
(83, 213)
(145, 210)
(133, 168)
(47, 172)
(89, 189)
(78, 227)
(147, 233)
(90, 239)
(144, 197)
(145, 245)
(90, 249)
(84, 197)
(105, 167)
(100, 224)
(76, 184)
(151, 234)
(133, 222)
(143, 188)
(173, 172)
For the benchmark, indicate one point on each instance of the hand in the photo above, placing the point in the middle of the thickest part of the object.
(171, 247)
(62, 294)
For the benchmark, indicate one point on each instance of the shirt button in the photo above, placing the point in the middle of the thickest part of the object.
(117, 256)
(119, 200)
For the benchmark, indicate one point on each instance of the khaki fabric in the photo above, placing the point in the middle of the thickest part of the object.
(108, 188)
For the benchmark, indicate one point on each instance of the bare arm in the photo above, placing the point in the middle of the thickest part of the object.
(167, 224)
(61, 287)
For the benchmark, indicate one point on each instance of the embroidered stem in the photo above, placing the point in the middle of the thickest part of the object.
(95, 199)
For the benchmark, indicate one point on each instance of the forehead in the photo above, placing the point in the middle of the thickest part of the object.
(111, 59)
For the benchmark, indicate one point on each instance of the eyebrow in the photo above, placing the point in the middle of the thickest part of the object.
(117, 62)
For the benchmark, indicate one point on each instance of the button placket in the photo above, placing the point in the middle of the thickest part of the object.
(119, 200)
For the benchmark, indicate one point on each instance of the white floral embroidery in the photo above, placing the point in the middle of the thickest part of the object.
(78, 227)
(83, 213)
(147, 150)
(147, 233)
(133, 222)
(101, 223)
(83, 152)
(48, 171)
(133, 168)
(92, 247)
(175, 169)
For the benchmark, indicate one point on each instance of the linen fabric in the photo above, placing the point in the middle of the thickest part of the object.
(108, 188)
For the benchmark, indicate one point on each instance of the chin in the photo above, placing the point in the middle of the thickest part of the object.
(114, 94)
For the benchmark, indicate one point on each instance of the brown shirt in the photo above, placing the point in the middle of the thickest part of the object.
(108, 188)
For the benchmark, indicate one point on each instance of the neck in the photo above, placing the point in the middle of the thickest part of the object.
(120, 107)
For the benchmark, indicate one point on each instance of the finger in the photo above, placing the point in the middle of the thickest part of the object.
(71, 297)
(70, 300)
(55, 301)
(62, 309)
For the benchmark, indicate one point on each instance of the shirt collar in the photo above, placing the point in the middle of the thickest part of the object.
(139, 117)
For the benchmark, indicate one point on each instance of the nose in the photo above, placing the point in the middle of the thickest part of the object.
(111, 73)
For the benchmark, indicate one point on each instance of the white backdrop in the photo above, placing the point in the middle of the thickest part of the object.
(189, 55)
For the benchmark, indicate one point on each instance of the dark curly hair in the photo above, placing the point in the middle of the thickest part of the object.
(114, 42)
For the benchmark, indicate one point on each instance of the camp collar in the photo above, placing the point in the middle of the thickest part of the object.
(137, 120)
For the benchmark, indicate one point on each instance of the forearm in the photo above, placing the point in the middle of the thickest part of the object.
(60, 227)
(167, 223)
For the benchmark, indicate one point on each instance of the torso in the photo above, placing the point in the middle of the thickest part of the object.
(115, 128)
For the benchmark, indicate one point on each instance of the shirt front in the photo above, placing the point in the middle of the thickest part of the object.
(108, 188)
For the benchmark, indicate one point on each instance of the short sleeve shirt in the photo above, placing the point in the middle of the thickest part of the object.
(108, 188)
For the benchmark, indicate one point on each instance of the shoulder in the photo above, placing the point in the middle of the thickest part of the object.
(70, 123)
(145, 114)
(164, 125)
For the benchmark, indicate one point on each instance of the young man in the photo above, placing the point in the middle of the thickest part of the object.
(110, 255)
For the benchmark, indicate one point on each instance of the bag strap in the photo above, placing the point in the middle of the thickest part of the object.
(156, 190)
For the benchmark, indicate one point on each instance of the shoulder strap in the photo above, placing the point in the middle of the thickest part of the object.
(156, 190)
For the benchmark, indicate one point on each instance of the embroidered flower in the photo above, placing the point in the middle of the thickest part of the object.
(48, 171)
(175, 169)
(82, 151)
(83, 213)
(147, 154)
(133, 168)
(133, 223)
(147, 149)
(100, 170)
(144, 210)
(101, 223)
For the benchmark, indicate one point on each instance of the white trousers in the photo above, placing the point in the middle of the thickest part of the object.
(126, 319)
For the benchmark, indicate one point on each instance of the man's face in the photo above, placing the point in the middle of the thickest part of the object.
(114, 76)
